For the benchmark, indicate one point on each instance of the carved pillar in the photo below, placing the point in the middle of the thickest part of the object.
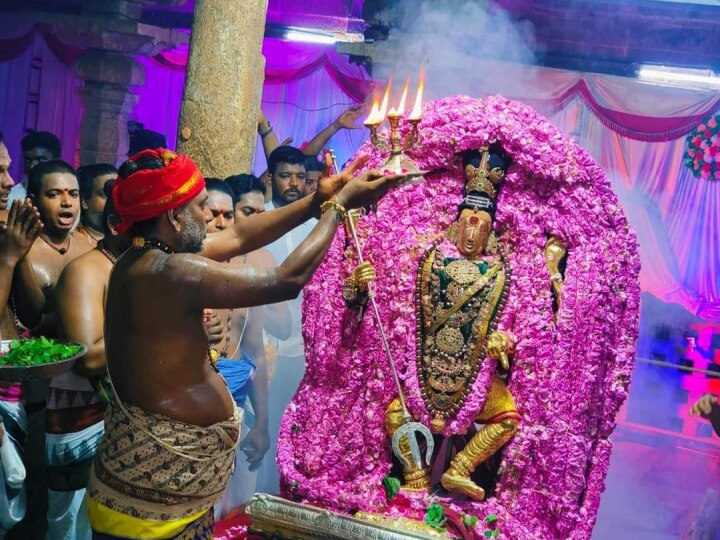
(108, 102)
(112, 33)
(223, 86)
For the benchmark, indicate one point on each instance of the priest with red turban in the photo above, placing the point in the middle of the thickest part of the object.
(172, 426)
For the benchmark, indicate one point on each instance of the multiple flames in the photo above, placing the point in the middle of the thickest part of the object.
(379, 110)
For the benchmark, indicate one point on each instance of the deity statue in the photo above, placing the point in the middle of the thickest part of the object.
(487, 287)
(461, 287)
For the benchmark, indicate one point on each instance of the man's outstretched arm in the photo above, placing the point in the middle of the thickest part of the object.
(208, 284)
(261, 229)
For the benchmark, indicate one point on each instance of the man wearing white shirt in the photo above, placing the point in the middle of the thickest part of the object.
(37, 147)
(286, 165)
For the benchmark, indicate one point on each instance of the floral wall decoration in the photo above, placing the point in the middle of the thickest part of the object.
(702, 156)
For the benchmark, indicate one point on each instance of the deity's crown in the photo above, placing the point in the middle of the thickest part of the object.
(484, 172)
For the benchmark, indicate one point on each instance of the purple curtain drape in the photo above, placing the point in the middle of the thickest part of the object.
(634, 129)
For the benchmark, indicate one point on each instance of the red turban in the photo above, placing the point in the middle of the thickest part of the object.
(147, 193)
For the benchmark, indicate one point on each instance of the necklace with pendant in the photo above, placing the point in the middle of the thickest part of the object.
(62, 250)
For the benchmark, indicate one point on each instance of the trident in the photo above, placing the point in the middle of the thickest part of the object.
(409, 429)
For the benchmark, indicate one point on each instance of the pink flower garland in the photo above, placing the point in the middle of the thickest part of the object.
(569, 377)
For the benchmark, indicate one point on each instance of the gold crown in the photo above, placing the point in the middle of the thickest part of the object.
(483, 178)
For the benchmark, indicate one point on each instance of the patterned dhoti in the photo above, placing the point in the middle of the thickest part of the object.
(155, 477)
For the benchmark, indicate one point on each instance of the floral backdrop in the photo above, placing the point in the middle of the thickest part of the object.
(569, 378)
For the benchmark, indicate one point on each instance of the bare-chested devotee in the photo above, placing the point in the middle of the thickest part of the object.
(19, 228)
(92, 180)
(53, 188)
(172, 428)
(75, 407)
(242, 361)
(250, 200)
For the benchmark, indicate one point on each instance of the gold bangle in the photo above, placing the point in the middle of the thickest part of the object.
(333, 204)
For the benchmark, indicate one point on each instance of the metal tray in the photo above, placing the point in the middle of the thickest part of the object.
(41, 371)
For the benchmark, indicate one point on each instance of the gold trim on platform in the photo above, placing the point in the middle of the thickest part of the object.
(279, 518)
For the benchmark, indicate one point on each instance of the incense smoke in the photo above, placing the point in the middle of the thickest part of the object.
(452, 40)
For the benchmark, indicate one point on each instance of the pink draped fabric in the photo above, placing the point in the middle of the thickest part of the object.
(287, 61)
(634, 129)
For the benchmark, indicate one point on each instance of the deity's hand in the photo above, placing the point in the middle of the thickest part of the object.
(18, 234)
(213, 326)
(499, 346)
(255, 445)
(704, 406)
(363, 274)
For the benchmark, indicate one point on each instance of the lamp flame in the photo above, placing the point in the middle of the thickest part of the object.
(401, 107)
(374, 116)
(386, 98)
(416, 113)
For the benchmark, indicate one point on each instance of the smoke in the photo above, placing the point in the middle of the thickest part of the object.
(464, 46)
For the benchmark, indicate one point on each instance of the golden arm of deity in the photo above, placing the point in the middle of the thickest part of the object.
(355, 287)
(555, 252)
(500, 346)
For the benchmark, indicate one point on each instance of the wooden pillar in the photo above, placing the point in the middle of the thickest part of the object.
(223, 86)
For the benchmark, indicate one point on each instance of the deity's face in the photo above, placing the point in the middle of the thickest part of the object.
(252, 202)
(58, 202)
(220, 207)
(6, 181)
(474, 229)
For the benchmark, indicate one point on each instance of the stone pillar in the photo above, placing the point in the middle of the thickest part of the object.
(108, 102)
(223, 86)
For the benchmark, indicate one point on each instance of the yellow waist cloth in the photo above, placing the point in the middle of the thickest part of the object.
(151, 467)
(107, 521)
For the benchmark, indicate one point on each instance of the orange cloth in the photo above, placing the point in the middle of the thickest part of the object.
(147, 193)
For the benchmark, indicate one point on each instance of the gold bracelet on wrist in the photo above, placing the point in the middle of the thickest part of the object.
(333, 204)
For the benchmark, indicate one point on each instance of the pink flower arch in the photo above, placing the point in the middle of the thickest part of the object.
(569, 376)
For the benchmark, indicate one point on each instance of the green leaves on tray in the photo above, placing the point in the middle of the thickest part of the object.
(34, 352)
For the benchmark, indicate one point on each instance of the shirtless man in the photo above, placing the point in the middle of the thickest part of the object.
(75, 409)
(53, 188)
(92, 180)
(250, 200)
(242, 359)
(173, 417)
(19, 227)
(18, 230)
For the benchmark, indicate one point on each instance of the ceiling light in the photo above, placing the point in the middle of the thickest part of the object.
(310, 37)
(688, 77)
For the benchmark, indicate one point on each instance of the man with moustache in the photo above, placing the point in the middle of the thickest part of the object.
(288, 176)
(172, 426)
(92, 180)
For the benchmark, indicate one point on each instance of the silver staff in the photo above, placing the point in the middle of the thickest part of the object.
(409, 429)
